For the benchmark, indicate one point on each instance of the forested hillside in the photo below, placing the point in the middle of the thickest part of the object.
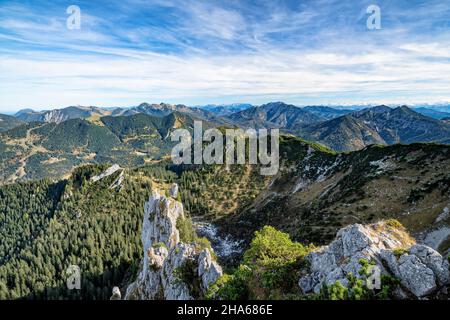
(52, 150)
(48, 226)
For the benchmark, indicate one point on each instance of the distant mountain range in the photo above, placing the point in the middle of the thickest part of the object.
(344, 130)
(432, 113)
(225, 109)
(327, 112)
(50, 143)
(380, 125)
(60, 115)
(275, 115)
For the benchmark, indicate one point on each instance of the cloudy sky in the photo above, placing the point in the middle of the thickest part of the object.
(207, 51)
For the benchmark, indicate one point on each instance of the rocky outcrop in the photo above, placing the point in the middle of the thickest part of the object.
(106, 173)
(171, 269)
(116, 295)
(420, 269)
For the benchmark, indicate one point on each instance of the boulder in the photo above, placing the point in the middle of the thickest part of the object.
(208, 269)
(116, 295)
(416, 276)
(433, 260)
(420, 269)
(173, 191)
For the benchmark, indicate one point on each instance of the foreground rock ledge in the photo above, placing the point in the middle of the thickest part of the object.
(421, 270)
(165, 256)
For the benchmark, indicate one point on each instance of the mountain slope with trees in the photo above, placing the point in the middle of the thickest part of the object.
(51, 225)
(381, 124)
(38, 150)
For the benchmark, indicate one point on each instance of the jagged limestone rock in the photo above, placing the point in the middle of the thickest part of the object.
(416, 276)
(421, 270)
(433, 260)
(172, 278)
(116, 295)
(157, 256)
(173, 191)
(208, 269)
(167, 261)
(106, 173)
(355, 242)
(160, 220)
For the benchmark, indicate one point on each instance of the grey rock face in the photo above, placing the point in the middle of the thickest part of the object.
(421, 270)
(208, 269)
(174, 289)
(433, 260)
(165, 257)
(106, 173)
(173, 191)
(416, 276)
(116, 295)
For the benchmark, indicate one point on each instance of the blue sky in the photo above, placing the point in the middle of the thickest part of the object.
(199, 52)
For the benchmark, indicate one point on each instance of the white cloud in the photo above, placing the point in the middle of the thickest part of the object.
(104, 64)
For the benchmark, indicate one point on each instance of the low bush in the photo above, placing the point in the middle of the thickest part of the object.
(270, 269)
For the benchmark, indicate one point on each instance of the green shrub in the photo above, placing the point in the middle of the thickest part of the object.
(357, 287)
(270, 269)
(187, 273)
(394, 223)
(399, 252)
(231, 287)
(186, 229)
(335, 291)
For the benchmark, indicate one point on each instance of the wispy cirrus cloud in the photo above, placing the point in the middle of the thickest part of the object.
(199, 51)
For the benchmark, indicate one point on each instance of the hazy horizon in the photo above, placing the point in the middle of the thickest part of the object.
(435, 107)
(317, 52)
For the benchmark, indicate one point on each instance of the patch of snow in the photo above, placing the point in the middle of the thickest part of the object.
(300, 185)
(383, 165)
(224, 247)
(444, 215)
(434, 238)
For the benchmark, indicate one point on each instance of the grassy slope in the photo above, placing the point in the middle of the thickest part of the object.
(335, 190)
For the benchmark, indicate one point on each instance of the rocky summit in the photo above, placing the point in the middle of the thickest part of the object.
(420, 270)
(171, 269)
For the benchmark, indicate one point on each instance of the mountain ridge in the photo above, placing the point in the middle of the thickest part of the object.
(381, 124)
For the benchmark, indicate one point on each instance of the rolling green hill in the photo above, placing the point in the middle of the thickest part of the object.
(38, 150)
